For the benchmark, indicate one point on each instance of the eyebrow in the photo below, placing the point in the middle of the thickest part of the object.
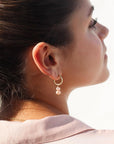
(91, 11)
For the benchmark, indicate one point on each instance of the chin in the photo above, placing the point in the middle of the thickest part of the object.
(104, 77)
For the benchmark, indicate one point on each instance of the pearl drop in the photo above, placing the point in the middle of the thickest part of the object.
(58, 92)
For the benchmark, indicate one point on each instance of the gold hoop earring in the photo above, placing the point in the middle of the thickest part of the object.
(58, 89)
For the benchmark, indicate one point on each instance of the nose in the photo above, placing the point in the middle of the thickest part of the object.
(102, 31)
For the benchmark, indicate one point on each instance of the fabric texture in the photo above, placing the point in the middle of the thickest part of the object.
(59, 129)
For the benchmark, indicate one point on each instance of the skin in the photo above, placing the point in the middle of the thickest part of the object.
(83, 62)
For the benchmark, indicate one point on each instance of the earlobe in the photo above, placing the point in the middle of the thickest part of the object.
(44, 59)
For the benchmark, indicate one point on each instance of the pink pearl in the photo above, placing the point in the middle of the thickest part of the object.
(58, 88)
(58, 92)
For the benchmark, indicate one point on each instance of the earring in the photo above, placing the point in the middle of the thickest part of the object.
(58, 89)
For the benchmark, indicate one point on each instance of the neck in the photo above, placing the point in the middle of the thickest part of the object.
(35, 110)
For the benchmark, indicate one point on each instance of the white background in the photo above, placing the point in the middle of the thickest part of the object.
(94, 105)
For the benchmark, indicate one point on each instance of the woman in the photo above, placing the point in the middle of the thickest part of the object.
(47, 49)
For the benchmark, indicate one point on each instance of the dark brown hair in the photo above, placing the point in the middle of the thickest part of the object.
(24, 23)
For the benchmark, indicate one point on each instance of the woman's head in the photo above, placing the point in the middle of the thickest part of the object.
(40, 40)
(83, 61)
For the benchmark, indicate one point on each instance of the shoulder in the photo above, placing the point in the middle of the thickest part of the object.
(89, 137)
(61, 129)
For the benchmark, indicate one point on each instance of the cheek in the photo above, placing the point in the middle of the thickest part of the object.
(97, 48)
(88, 58)
(90, 51)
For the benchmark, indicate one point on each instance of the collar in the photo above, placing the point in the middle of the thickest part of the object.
(48, 129)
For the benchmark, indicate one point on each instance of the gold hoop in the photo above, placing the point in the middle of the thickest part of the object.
(58, 84)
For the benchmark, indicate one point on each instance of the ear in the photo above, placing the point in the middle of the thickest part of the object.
(47, 59)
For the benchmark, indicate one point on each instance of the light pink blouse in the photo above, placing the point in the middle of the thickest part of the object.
(59, 129)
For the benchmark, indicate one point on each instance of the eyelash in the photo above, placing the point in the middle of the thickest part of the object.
(93, 23)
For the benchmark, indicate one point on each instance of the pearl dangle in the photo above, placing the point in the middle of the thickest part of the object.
(58, 89)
